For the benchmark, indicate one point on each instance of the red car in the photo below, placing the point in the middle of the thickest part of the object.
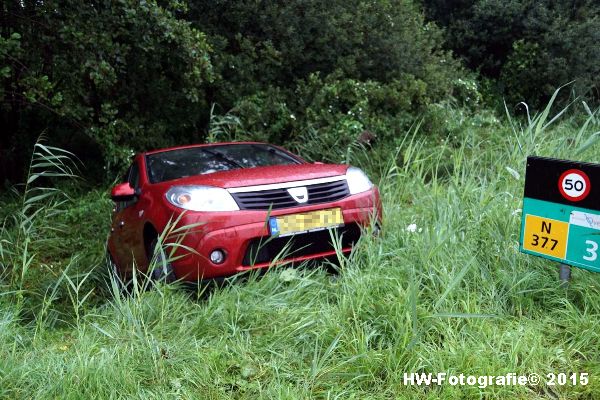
(247, 205)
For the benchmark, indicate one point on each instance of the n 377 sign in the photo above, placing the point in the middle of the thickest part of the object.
(561, 212)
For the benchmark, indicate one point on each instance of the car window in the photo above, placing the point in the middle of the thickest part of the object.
(253, 155)
(134, 176)
(125, 177)
(175, 164)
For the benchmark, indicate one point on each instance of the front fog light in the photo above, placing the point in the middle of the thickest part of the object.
(217, 256)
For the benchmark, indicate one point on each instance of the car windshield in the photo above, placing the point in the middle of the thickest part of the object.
(174, 164)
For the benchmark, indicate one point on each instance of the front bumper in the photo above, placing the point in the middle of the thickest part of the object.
(243, 237)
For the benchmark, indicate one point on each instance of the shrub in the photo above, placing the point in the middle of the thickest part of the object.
(127, 75)
(531, 48)
(260, 45)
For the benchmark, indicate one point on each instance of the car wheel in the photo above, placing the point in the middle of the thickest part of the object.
(159, 269)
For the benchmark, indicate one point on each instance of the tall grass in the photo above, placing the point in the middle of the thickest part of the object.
(25, 233)
(450, 294)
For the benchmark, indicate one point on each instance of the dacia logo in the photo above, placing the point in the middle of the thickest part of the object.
(300, 194)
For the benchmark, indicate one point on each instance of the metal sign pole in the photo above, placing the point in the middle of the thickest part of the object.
(564, 274)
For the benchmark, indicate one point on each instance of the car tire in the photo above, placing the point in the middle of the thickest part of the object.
(158, 269)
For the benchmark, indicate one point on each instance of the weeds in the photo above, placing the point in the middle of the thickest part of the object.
(451, 294)
(26, 232)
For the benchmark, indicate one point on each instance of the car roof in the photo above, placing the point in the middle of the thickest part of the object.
(190, 146)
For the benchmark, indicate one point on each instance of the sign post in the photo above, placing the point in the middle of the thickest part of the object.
(564, 274)
(561, 213)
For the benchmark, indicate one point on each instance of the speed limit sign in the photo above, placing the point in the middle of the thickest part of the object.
(561, 212)
(574, 185)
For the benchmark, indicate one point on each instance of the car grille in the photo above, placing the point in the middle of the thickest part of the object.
(280, 198)
(266, 249)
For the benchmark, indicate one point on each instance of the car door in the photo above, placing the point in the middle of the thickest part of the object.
(128, 226)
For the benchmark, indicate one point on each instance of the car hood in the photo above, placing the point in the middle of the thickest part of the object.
(261, 175)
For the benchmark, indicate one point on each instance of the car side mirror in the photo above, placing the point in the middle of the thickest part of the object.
(123, 192)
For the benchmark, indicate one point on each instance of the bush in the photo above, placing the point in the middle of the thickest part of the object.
(260, 45)
(531, 48)
(127, 75)
(324, 116)
(106, 80)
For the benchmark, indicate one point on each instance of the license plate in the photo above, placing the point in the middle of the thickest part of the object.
(305, 222)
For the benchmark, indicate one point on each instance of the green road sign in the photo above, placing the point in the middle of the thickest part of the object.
(561, 212)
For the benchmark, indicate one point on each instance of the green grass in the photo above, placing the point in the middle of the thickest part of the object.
(454, 296)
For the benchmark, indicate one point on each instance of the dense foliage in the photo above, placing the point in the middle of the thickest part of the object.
(263, 44)
(99, 76)
(315, 74)
(106, 78)
(528, 47)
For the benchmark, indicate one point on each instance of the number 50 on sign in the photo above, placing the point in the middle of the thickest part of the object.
(561, 212)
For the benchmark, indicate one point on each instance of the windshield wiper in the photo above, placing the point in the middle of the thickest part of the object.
(224, 157)
(274, 150)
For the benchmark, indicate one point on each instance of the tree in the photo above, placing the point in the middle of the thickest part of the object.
(529, 47)
(259, 44)
(119, 75)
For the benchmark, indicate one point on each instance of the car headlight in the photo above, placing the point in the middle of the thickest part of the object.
(201, 198)
(358, 181)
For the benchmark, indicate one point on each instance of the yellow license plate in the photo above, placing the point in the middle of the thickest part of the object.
(309, 221)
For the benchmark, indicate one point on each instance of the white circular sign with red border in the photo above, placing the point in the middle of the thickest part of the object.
(574, 185)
